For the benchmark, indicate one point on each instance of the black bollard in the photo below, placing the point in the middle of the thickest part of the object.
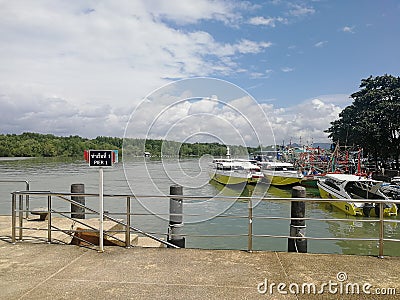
(298, 227)
(76, 211)
(175, 217)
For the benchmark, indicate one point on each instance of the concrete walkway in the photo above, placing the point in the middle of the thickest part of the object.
(31, 270)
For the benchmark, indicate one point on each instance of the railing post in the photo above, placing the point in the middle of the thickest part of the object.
(49, 219)
(128, 223)
(27, 200)
(20, 215)
(250, 229)
(78, 212)
(175, 217)
(13, 216)
(381, 230)
(297, 227)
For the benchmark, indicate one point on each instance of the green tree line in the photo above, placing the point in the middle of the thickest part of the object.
(372, 121)
(30, 144)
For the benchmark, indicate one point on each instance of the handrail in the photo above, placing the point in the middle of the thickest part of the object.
(120, 222)
(50, 211)
(250, 215)
(311, 200)
(27, 187)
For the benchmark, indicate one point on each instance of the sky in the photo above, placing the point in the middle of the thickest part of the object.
(86, 67)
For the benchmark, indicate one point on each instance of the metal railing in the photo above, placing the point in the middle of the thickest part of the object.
(50, 211)
(18, 210)
(27, 187)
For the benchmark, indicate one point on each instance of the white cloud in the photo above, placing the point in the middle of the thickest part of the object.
(238, 120)
(348, 29)
(266, 21)
(74, 67)
(228, 115)
(189, 12)
(300, 10)
(94, 54)
(247, 46)
(308, 119)
(178, 121)
(320, 44)
(39, 113)
(265, 74)
(287, 69)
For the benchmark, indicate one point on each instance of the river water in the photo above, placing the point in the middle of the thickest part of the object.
(202, 217)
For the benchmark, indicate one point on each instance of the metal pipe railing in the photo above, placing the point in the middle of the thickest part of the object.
(61, 196)
(250, 216)
(27, 187)
(250, 228)
(381, 230)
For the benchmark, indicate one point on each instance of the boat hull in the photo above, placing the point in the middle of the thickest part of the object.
(232, 180)
(310, 180)
(347, 207)
(281, 180)
(351, 209)
(309, 183)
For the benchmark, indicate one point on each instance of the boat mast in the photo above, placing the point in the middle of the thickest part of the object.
(228, 154)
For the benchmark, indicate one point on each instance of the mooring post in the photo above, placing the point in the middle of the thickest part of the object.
(175, 217)
(78, 212)
(297, 227)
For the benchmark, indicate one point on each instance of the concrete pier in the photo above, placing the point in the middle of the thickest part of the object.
(41, 271)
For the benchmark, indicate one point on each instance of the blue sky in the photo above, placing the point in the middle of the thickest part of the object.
(81, 67)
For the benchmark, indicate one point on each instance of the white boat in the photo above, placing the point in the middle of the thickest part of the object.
(395, 180)
(392, 190)
(280, 173)
(235, 171)
(345, 186)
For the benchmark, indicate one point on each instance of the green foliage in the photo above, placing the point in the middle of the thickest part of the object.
(31, 144)
(372, 121)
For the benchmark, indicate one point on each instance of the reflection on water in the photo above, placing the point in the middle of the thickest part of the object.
(203, 217)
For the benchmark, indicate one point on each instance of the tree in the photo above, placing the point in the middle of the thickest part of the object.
(372, 121)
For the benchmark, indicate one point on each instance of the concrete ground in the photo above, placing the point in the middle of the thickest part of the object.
(36, 270)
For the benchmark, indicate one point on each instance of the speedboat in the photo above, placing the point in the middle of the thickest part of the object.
(345, 186)
(395, 180)
(235, 171)
(392, 190)
(280, 173)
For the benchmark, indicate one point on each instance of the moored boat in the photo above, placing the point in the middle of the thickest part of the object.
(235, 171)
(345, 186)
(391, 190)
(280, 173)
(395, 180)
(311, 180)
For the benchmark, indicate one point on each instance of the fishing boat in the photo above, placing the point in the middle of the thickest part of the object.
(346, 186)
(235, 171)
(280, 173)
(310, 178)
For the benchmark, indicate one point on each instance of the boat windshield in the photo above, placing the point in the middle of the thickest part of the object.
(362, 190)
(285, 169)
(238, 168)
(332, 184)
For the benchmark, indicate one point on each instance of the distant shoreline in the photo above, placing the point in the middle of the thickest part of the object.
(14, 158)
